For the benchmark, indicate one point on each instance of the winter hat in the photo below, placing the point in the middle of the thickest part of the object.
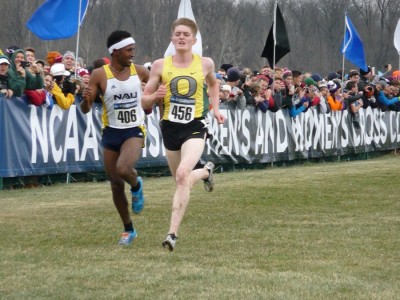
(396, 75)
(363, 73)
(226, 88)
(287, 74)
(383, 83)
(68, 53)
(323, 84)
(332, 75)
(264, 77)
(4, 60)
(10, 50)
(316, 77)
(226, 67)
(82, 72)
(218, 76)
(58, 69)
(51, 57)
(233, 74)
(309, 81)
(332, 86)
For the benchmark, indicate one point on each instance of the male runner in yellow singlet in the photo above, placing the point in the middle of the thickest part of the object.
(180, 81)
(123, 132)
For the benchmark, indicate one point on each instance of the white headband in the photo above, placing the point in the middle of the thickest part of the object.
(121, 44)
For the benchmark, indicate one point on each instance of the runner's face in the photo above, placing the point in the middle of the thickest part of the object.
(126, 55)
(183, 38)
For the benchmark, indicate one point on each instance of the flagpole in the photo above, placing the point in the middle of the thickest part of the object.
(77, 36)
(344, 34)
(273, 60)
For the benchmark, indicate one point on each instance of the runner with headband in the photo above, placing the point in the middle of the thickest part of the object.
(123, 134)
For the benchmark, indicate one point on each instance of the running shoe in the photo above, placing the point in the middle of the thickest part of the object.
(209, 182)
(127, 237)
(138, 198)
(170, 242)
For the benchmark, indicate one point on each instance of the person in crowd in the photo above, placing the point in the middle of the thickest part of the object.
(225, 90)
(19, 71)
(290, 89)
(335, 98)
(323, 106)
(368, 96)
(277, 94)
(120, 84)
(236, 97)
(68, 59)
(266, 70)
(5, 89)
(366, 77)
(63, 90)
(41, 64)
(220, 79)
(257, 99)
(183, 125)
(382, 100)
(48, 87)
(298, 103)
(30, 54)
(355, 103)
(394, 91)
(84, 75)
(297, 78)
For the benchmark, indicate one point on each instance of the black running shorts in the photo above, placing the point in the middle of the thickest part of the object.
(175, 134)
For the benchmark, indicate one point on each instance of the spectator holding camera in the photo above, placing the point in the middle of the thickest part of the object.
(20, 77)
(63, 90)
(5, 90)
(236, 96)
(354, 101)
(335, 98)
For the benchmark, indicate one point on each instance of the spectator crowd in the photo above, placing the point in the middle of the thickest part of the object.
(60, 78)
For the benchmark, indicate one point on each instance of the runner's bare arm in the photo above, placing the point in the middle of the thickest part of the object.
(213, 87)
(89, 93)
(153, 90)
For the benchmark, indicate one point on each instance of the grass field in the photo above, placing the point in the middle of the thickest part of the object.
(317, 231)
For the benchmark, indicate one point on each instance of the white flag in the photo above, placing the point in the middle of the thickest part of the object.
(397, 37)
(185, 11)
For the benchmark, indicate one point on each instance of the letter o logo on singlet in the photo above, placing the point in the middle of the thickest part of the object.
(192, 83)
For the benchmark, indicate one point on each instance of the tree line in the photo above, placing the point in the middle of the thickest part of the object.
(232, 31)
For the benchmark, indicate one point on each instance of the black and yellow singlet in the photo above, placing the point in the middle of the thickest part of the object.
(186, 97)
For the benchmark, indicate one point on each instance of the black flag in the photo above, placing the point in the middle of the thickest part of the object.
(281, 39)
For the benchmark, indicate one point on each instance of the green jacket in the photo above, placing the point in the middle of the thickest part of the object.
(18, 83)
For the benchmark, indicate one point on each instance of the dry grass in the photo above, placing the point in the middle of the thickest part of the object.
(307, 232)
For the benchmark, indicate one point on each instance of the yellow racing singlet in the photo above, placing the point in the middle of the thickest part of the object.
(122, 107)
(186, 97)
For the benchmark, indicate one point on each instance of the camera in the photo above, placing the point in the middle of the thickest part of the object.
(386, 66)
(68, 87)
(25, 64)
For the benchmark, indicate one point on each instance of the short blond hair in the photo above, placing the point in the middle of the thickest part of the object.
(186, 22)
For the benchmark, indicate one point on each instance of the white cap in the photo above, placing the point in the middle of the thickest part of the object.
(4, 60)
(227, 88)
(58, 69)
